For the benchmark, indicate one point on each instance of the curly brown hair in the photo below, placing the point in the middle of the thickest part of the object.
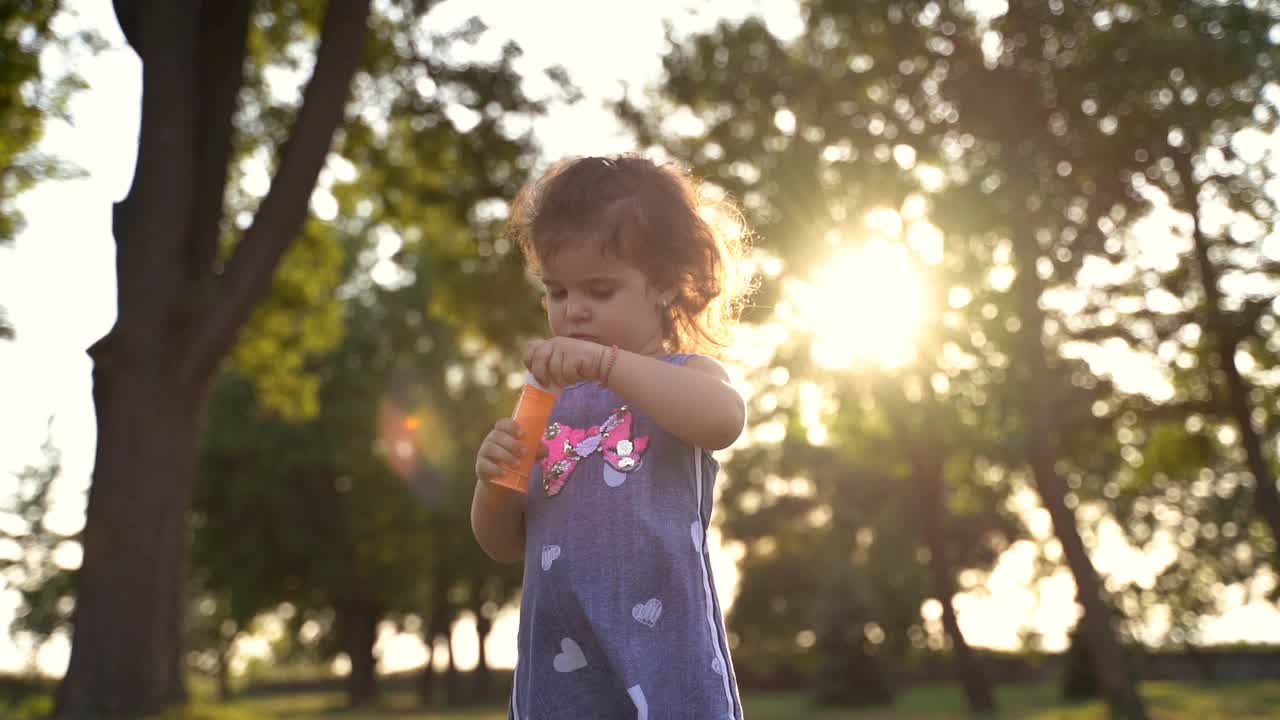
(651, 214)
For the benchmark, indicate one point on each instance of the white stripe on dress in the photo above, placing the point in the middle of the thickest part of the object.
(706, 583)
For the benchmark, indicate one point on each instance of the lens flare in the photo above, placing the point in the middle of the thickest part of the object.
(865, 306)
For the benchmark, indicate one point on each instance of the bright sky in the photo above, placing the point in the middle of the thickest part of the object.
(58, 287)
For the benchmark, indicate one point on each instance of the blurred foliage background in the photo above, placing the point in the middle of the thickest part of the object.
(1019, 265)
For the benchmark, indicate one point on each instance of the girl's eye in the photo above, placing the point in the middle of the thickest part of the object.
(602, 293)
(557, 294)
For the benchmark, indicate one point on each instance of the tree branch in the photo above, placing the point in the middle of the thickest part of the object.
(220, 52)
(1165, 325)
(150, 223)
(1247, 321)
(280, 217)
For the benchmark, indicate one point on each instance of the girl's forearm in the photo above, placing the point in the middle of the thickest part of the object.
(699, 407)
(497, 520)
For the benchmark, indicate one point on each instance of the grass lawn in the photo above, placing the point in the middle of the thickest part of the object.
(1166, 701)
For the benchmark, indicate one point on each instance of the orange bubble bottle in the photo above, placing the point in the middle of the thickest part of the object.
(533, 411)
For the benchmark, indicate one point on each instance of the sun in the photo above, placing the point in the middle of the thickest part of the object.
(863, 307)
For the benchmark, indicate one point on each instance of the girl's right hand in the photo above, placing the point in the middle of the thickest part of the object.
(500, 450)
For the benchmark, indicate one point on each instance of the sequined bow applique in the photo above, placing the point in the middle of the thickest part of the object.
(566, 446)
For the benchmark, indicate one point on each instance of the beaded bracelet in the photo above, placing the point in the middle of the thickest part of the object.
(608, 368)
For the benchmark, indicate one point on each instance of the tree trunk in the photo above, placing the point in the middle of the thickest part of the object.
(931, 490)
(1204, 663)
(927, 459)
(1226, 338)
(224, 669)
(1118, 686)
(438, 627)
(483, 678)
(1080, 676)
(426, 681)
(177, 318)
(127, 635)
(453, 690)
(847, 671)
(358, 632)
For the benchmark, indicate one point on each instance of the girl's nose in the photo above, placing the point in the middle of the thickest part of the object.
(576, 309)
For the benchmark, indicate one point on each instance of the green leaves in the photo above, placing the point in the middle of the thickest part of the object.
(299, 320)
(1048, 148)
(31, 563)
(337, 461)
(29, 98)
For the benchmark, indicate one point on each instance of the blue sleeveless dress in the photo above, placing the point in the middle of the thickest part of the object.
(619, 616)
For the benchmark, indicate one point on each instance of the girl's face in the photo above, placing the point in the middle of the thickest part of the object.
(604, 299)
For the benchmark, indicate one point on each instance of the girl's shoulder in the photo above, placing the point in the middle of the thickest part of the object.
(702, 363)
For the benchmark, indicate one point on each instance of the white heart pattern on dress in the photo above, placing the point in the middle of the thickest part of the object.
(549, 555)
(613, 478)
(648, 613)
(570, 657)
(695, 532)
(717, 666)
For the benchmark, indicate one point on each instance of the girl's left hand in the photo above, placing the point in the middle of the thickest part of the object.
(563, 361)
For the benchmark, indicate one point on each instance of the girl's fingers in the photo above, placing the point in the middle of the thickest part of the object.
(512, 448)
(499, 455)
(570, 368)
(543, 364)
(489, 470)
(500, 450)
(509, 426)
(546, 365)
(558, 370)
(532, 361)
(530, 350)
(535, 359)
(505, 440)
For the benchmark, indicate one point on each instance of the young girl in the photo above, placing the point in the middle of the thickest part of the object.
(619, 616)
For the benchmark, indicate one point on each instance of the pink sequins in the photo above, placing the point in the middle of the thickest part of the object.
(566, 446)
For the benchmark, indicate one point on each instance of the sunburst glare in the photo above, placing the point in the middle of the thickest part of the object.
(864, 307)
